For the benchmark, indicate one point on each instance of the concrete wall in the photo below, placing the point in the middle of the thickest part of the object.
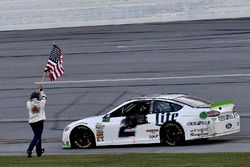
(40, 14)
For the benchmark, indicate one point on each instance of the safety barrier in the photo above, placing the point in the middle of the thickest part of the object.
(41, 14)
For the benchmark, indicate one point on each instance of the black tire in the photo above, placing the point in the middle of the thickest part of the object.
(172, 134)
(82, 137)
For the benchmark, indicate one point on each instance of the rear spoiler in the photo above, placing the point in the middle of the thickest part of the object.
(223, 106)
(218, 108)
(221, 103)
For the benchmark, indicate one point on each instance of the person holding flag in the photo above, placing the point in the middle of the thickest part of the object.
(37, 101)
(36, 109)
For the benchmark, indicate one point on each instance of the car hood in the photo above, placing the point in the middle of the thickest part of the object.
(90, 121)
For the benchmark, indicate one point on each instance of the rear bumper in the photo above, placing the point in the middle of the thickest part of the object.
(221, 126)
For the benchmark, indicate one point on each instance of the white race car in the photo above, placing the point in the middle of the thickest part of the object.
(171, 119)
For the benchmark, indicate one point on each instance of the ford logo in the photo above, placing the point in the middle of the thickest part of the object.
(229, 126)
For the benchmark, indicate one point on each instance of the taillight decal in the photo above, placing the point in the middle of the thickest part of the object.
(213, 113)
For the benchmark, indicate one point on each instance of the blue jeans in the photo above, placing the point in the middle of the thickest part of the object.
(37, 128)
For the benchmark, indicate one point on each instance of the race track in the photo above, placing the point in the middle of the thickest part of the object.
(107, 65)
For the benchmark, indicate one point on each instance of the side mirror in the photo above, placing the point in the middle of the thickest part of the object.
(106, 118)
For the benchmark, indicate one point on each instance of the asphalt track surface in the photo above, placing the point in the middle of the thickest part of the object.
(107, 65)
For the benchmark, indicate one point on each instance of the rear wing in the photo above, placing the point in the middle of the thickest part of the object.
(223, 106)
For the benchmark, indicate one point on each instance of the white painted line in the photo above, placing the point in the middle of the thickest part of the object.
(147, 79)
(138, 46)
(121, 46)
(47, 120)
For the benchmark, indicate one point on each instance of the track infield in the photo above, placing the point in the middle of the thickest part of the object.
(133, 160)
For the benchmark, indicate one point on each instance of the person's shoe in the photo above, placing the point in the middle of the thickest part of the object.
(29, 154)
(39, 154)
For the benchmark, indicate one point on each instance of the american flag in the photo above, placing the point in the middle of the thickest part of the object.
(55, 63)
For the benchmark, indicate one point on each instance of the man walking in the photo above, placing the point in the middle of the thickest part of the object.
(36, 109)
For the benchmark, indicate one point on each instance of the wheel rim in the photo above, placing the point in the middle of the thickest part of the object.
(173, 135)
(81, 138)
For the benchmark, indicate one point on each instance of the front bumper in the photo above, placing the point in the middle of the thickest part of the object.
(65, 140)
(64, 146)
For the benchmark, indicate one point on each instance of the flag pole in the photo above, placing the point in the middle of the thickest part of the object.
(43, 77)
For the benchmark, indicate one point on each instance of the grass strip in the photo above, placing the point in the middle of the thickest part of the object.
(131, 160)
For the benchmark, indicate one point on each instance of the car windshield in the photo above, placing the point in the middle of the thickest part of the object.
(193, 101)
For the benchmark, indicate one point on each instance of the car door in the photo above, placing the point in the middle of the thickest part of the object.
(111, 123)
(126, 122)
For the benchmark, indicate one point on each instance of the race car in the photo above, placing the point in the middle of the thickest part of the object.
(171, 119)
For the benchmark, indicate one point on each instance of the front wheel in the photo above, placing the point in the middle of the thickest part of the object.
(172, 134)
(81, 137)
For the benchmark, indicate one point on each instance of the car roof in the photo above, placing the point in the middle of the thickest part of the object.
(161, 96)
(178, 98)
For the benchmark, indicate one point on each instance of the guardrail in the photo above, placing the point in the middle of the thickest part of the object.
(37, 14)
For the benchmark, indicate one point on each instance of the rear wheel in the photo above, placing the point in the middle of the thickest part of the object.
(82, 137)
(172, 134)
